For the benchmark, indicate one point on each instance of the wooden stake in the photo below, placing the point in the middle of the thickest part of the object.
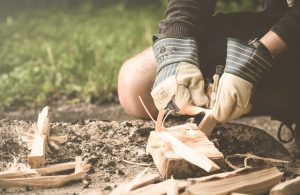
(37, 156)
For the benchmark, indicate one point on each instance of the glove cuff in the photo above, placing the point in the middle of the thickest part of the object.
(250, 61)
(175, 50)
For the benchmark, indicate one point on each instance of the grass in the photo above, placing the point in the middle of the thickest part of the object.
(55, 52)
(70, 52)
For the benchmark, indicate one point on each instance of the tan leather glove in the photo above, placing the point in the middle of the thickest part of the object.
(179, 80)
(246, 65)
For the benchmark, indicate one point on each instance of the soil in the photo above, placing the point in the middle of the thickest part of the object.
(105, 136)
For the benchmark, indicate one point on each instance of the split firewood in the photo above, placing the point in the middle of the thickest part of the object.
(17, 170)
(187, 153)
(208, 123)
(81, 168)
(251, 181)
(95, 192)
(159, 188)
(172, 187)
(182, 151)
(55, 168)
(38, 140)
(37, 156)
(290, 187)
(141, 180)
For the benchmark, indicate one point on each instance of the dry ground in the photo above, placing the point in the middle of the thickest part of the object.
(105, 136)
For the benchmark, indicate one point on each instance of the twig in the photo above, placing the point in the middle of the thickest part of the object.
(230, 164)
(146, 110)
(163, 122)
(135, 163)
(249, 156)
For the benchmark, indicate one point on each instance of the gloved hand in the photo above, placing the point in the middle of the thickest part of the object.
(179, 80)
(246, 65)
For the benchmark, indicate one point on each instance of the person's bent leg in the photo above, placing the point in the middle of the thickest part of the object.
(136, 78)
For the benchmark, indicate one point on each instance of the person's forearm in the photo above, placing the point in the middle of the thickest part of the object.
(274, 43)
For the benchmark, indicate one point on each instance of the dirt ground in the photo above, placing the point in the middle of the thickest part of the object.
(105, 136)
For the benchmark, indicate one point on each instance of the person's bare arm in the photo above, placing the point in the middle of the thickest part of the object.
(274, 43)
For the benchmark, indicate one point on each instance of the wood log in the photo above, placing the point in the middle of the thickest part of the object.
(249, 181)
(37, 156)
(183, 148)
(290, 187)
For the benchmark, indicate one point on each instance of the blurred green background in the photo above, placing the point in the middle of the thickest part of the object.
(72, 50)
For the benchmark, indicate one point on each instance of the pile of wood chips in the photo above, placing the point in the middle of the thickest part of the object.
(36, 174)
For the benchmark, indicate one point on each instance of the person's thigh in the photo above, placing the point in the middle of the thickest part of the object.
(135, 79)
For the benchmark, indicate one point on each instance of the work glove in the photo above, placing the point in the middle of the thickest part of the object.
(246, 65)
(179, 81)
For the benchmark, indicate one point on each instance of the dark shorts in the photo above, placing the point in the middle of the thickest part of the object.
(278, 93)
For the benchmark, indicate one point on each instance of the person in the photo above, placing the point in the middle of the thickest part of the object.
(260, 51)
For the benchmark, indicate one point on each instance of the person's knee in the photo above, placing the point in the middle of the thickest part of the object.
(136, 77)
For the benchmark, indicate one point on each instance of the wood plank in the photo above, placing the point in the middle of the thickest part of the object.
(290, 187)
(249, 182)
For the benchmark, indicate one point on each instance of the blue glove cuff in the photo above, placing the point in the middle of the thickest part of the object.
(175, 50)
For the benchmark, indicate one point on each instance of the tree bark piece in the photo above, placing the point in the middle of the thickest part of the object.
(251, 181)
(181, 151)
(291, 187)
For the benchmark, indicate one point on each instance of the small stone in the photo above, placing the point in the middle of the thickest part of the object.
(107, 188)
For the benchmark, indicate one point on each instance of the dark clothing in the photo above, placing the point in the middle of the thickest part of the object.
(279, 90)
(192, 18)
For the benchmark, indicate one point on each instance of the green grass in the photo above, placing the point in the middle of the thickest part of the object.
(75, 53)
(72, 53)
